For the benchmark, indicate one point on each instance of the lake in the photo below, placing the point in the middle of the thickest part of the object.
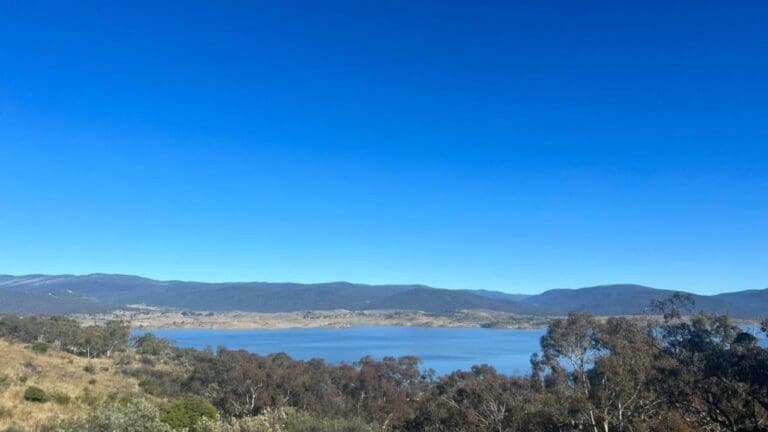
(442, 349)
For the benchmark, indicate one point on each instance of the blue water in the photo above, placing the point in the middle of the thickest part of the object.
(442, 349)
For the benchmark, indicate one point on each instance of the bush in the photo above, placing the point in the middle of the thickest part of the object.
(35, 394)
(149, 386)
(40, 347)
(136, 416)
(89, 368)
(14, 428)
(92, 381)
(187, 413)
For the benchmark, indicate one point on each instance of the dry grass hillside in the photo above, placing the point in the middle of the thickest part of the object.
(72, 384)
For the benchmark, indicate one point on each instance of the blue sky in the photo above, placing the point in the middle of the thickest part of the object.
(500, 145)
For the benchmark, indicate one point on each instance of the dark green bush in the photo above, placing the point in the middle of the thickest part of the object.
(187, 413)
(92, 381)
(35, 394)
(40, 347)
(89, 368)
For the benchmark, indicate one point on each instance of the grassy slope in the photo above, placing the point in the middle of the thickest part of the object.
(52, 371)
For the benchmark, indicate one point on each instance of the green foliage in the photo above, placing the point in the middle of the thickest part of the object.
(35, 394)
(187, 413)
(137, 416)
(92, 381)
(66, 333)
(40, 347)
(151, 345)
(89, 368)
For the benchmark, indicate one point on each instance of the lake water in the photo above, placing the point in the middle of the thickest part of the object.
(442, 349)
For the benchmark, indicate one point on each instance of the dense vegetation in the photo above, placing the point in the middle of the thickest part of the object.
(700, 373)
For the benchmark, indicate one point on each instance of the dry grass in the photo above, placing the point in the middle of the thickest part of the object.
(53, 371)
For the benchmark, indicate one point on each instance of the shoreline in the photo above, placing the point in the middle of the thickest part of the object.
(148, 318)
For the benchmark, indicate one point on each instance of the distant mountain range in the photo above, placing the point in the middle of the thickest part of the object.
(46, 294)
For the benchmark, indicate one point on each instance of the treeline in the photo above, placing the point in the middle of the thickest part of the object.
(66, 334)
(700, 373)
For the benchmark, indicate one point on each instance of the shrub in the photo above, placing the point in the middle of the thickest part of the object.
(149, 386)
(89, 368)
(40, 347)
(187, 413)
(92, 381)
(35, 394)
(136, 416)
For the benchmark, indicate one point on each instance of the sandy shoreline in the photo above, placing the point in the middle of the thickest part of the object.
(158, 318)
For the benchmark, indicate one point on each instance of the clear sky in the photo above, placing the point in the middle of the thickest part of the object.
(518, 146)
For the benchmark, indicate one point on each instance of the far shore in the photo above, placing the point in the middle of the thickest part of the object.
(140, 316)
(149, 317)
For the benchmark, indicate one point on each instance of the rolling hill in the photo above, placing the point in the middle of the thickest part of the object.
(629, 299)
(107, 291)
(98, 292)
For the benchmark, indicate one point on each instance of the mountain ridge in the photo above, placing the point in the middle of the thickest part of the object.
(40, 293)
